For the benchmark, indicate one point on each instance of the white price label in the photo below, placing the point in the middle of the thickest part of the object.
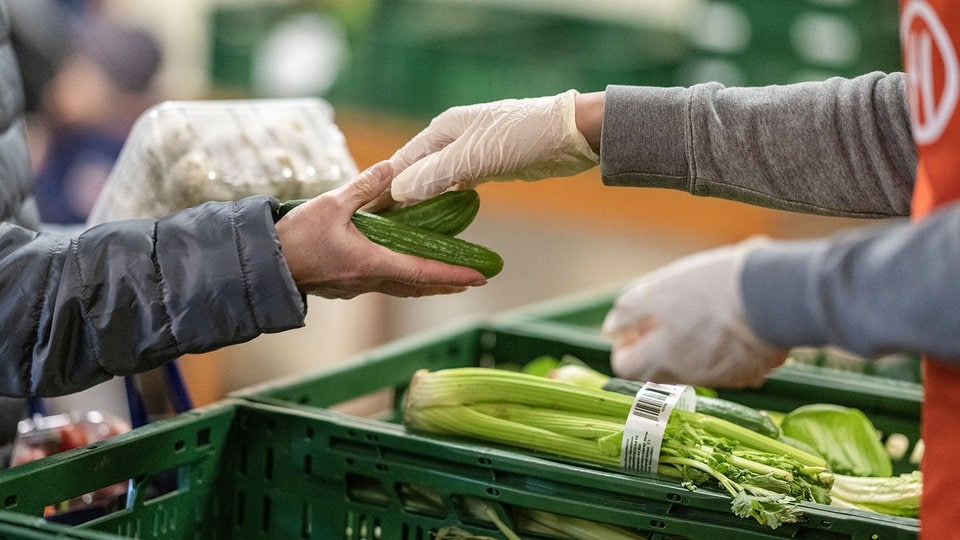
(643, 431)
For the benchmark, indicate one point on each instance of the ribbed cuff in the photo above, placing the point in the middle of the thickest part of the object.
(644, 139)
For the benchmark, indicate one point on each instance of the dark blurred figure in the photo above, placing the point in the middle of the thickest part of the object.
(103, 85)
(37, 28)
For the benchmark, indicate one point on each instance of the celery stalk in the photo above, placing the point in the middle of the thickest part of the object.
(464, 386)
(464, 420)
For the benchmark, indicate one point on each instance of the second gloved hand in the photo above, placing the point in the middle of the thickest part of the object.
(684, 323)
(513, 139)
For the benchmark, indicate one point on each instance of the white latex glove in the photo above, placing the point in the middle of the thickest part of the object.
(684, 323)
(513, 139)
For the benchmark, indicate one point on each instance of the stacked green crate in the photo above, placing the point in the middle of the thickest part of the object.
(420, 57)
(759, 42)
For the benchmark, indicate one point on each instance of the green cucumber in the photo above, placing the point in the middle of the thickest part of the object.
(411, 240)
(449, 213)
(623, 386)
(426, 229)
(739, 414)
(286, 206)
(730, 411)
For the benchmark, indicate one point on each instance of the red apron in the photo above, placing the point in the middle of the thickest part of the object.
(928, 31)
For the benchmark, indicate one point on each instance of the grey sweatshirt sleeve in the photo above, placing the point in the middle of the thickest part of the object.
(839, 147)
(872, 291)
(125, 297)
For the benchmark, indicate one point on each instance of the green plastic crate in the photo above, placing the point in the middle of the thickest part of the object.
(893, 406)
(420, 57)
(758, 42)
(247, 470)
(282, 460)
(584, 313)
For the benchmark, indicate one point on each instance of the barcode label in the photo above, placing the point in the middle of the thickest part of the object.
(643, 430)
(650, 401)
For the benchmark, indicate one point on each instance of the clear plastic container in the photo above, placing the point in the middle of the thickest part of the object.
(41, 436)
(183, 153)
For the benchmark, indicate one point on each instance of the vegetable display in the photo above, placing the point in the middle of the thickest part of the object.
(766, 478)
(427, 229)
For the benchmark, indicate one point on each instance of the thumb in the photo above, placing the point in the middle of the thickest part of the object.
(367, 185)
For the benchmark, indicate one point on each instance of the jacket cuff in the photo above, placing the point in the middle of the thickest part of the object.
(777, 289)
(243, 288)
(642, 142)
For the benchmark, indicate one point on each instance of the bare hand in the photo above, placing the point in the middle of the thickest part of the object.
(329, 257)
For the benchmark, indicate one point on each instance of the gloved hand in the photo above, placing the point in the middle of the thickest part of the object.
(513, 139)
(684, 323)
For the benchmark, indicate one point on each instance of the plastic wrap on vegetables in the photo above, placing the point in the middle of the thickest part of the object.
(183, 153)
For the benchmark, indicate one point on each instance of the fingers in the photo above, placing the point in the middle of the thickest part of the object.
(422, 180)
(628, 359)
(629, 308)
(439, 157)
(427, 273)
(443, 130)
(366, 187)
(404, 290)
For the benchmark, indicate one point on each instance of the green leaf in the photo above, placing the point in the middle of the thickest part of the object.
(767, 507)
(844, 436)
(541, 365)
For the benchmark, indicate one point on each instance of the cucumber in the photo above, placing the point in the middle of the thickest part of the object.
(741, 415)
(623, 386)
(411, 240)
(286, 206)
(730, 411)
(426, 229)
(449, 213)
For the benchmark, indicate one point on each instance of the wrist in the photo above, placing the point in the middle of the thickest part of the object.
(588, 112)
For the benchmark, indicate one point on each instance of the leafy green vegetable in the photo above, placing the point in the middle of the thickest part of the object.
(891, 495)
(844, 436)
(541, 365)
(775, 508)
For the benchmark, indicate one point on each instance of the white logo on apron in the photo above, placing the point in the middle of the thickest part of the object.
(925, 43)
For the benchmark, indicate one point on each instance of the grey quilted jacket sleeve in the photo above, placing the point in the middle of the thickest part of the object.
(125, 297)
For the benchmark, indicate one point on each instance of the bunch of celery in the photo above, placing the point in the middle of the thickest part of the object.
(845, 437)
(765, 477)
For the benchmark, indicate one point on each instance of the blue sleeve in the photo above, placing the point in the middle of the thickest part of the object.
(872, 291)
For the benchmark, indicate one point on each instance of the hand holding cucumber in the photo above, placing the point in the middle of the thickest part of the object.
(329, 257)
(684, 323)
(514, 139)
